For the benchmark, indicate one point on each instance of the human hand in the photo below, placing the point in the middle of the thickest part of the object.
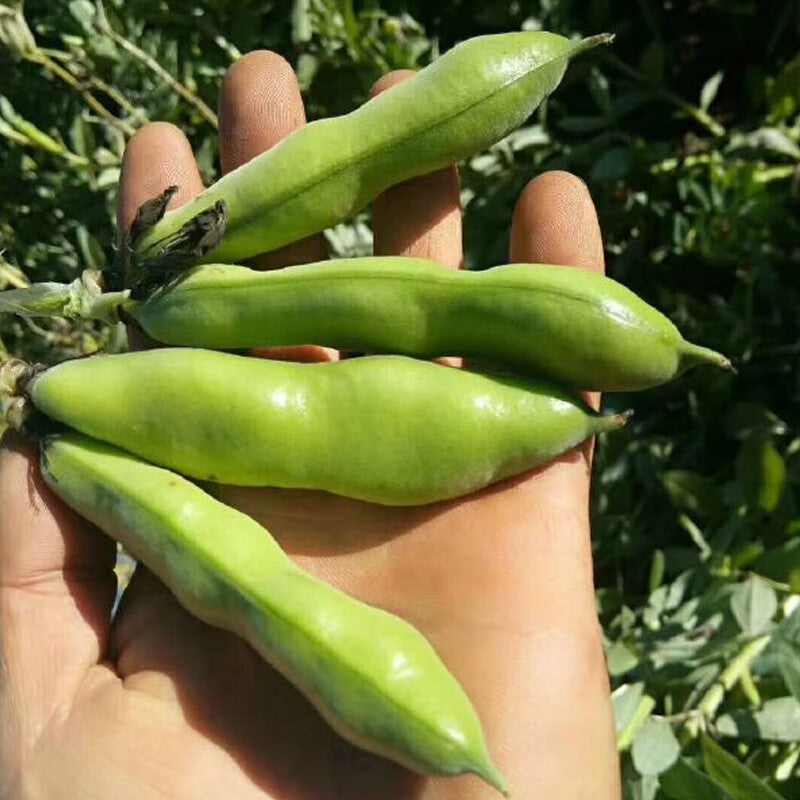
(157, 704)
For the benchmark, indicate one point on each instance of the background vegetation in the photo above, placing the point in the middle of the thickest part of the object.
(688, 134)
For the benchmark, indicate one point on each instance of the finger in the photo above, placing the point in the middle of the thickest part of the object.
(420, 217)
(260, 104)
(157, 156)
(57, 585)
(555, 222)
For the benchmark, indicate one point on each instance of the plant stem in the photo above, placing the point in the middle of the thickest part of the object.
(65, 75)
(180, 88)
(671, 164)
(119, 99)
(12, 275)
(749, 687)
(25, 133)
(115, 94)
(13, 135)
(81, 299)
(711, 700)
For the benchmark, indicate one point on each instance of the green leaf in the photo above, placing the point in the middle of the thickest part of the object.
(696, 535)
(652, 62)
(7, 110)
(732, 775)
(641, 787)
(108, 177)
(82, 137)
(768, 138)
(84, 12)
(788, 657)
(102, 47)
(692, 492)
(302, 30)
(683, 781)
(780, 563)
(710, 89)
(620, 659)
(612, 165)
(783, 92)
(14, 31)
(745, 556)
(531, 136)
(777, 721)
(624, 701)
(91, 251)
(789, 628)
(306, 69)
(754, 604)
(654, 747)
(761, 473)
(656, 570)
(583, 124)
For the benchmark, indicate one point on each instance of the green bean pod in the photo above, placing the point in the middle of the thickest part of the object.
(386, 429)
(576, 327)
(374, 678)
(328, 170)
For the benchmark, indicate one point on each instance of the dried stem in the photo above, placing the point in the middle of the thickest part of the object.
(119, 99)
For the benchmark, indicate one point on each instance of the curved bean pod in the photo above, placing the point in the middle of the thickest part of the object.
(386, 429)
(579, 328)
(374, 678)
(329, 170)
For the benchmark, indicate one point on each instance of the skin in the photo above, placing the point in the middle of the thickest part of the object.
(160, 705)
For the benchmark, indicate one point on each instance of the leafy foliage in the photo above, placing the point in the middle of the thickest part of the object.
(688, 134)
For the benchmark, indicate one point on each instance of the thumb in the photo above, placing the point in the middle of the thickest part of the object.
(57, 587)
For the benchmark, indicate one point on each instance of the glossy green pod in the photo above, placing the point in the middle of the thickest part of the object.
(370, 674)
(386, 429)
(579, 328)
(326, 171)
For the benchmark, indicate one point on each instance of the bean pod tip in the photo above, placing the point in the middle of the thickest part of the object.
(590, 42)
(489, 773)
(616, 421)
(694, 354)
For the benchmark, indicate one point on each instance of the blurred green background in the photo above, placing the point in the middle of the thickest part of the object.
(687, 132)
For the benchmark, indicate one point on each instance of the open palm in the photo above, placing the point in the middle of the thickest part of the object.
(160, 705)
